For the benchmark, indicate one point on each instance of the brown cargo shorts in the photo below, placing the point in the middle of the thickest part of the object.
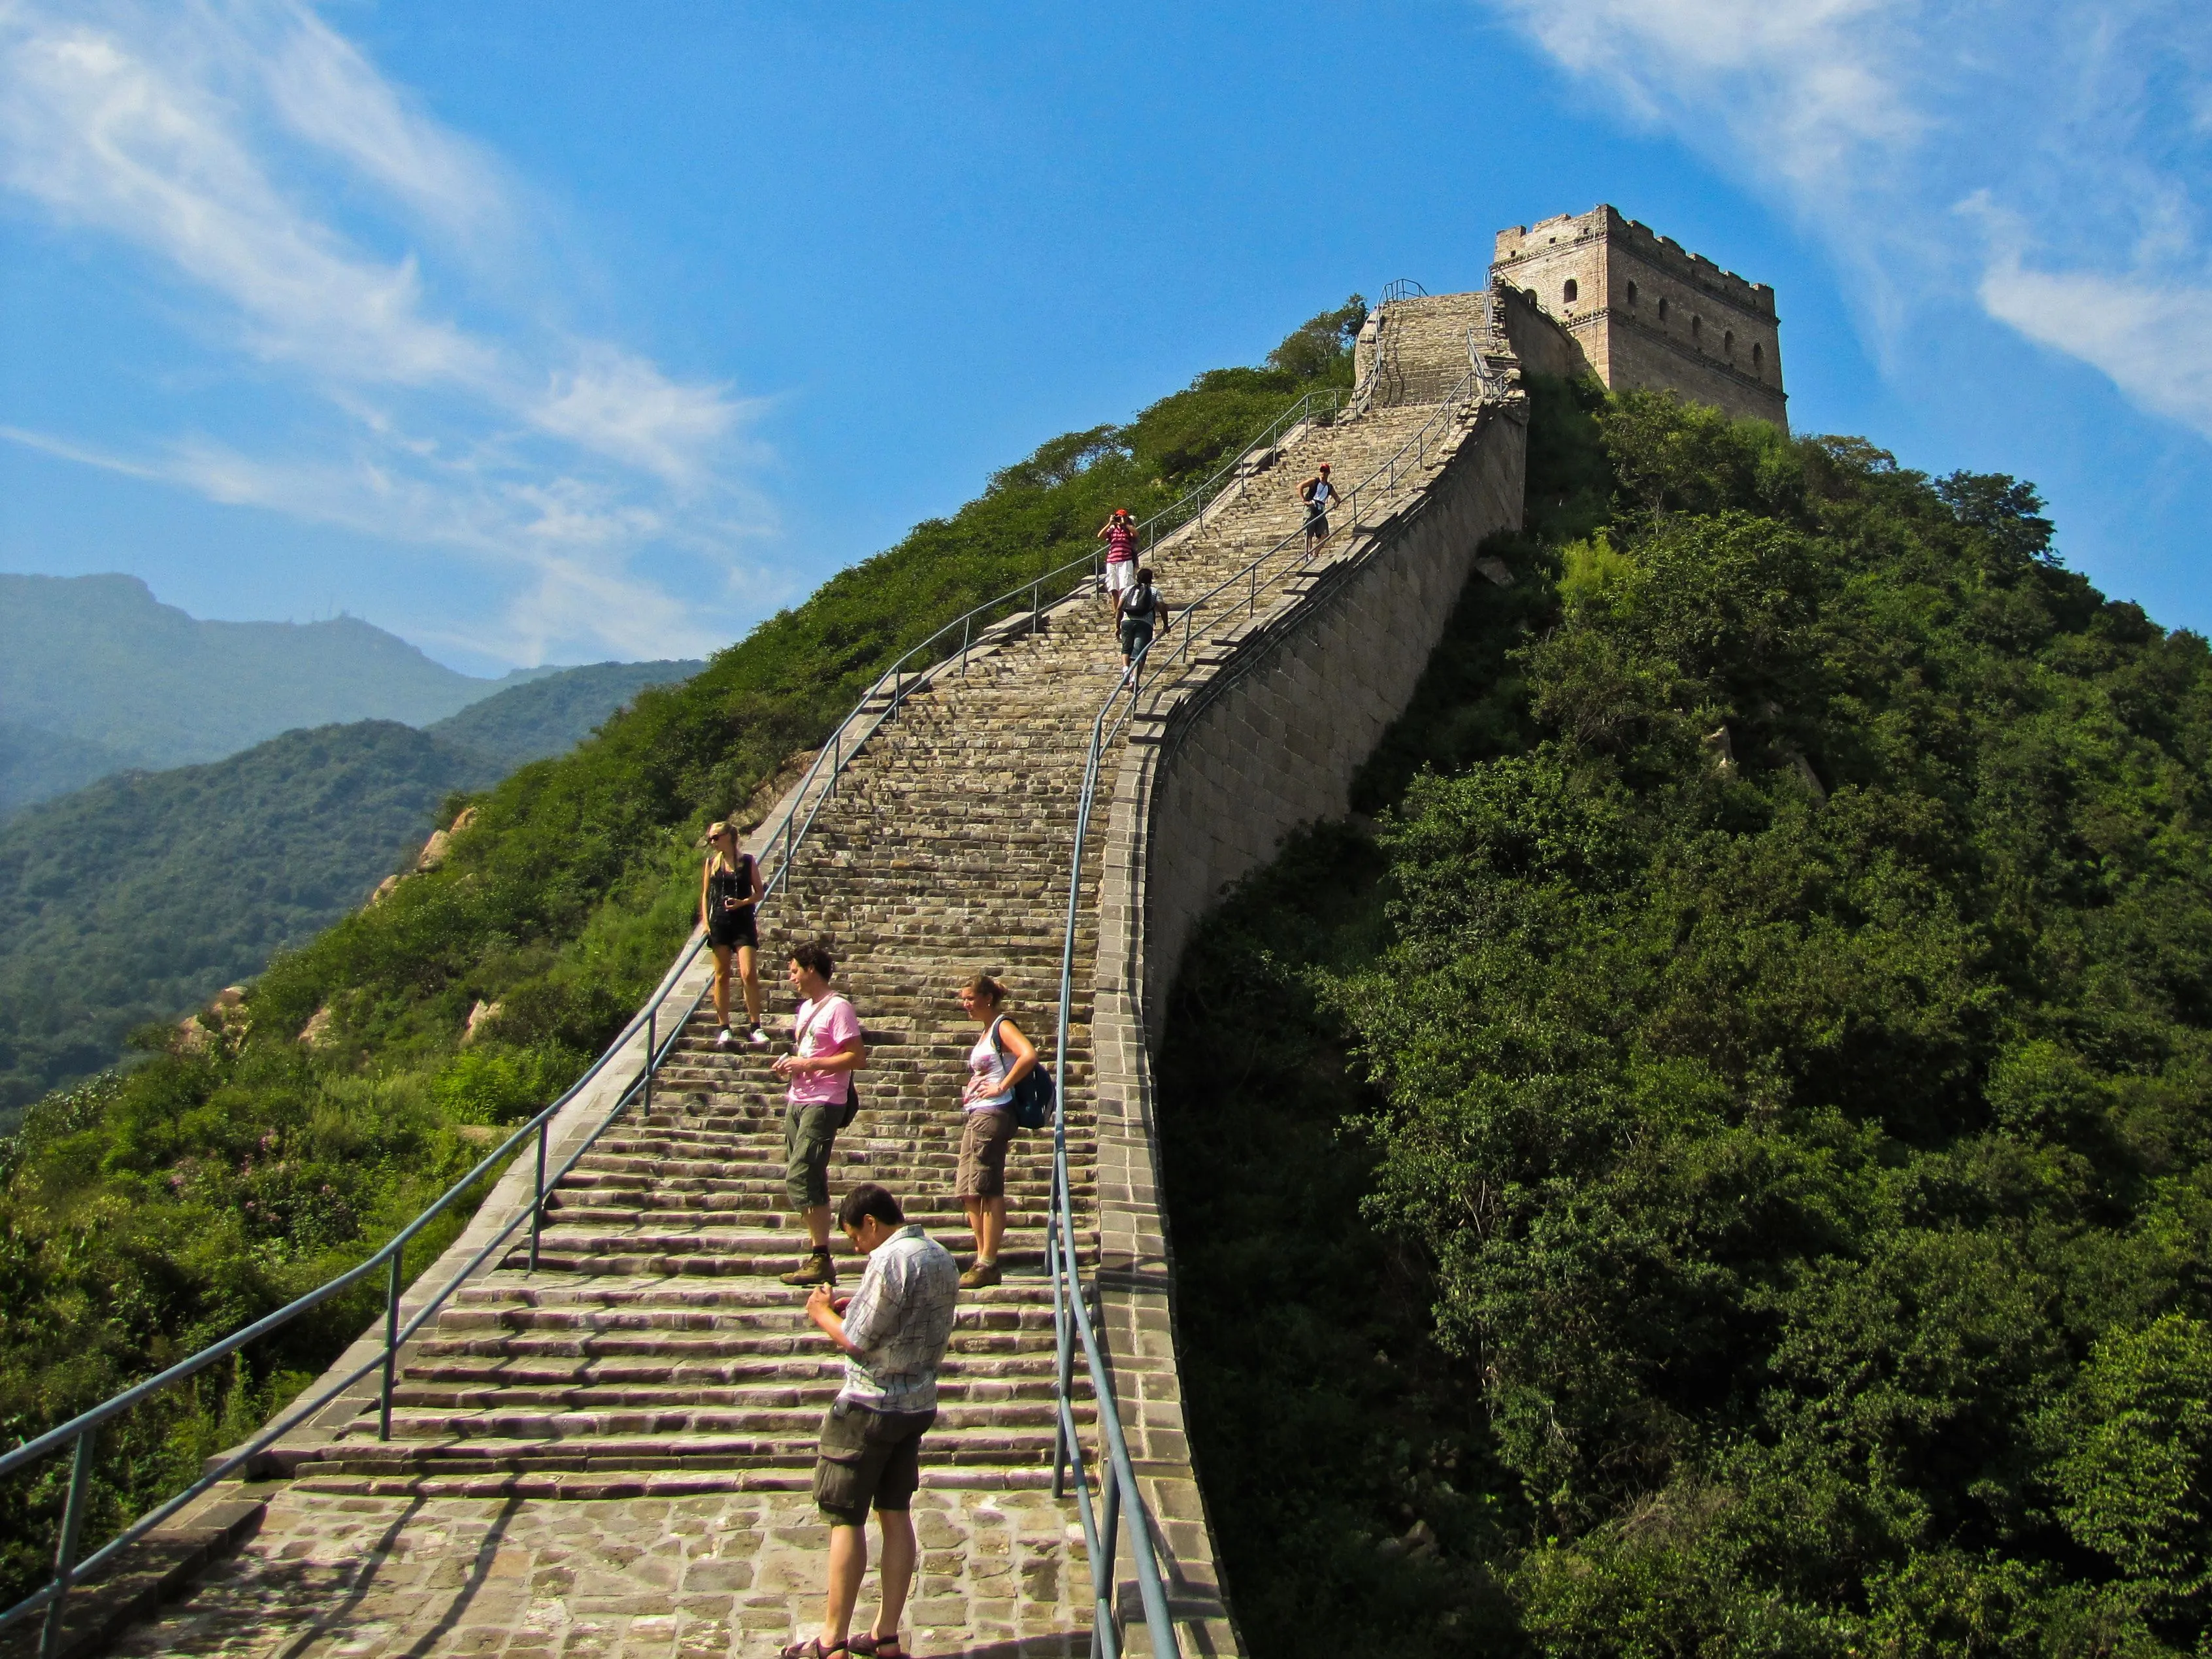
(809, 1133)
(868, 1458)
(983, 1142)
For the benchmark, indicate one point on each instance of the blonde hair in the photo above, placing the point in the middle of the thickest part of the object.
(984, 986)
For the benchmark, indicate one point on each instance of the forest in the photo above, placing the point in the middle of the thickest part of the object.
(1733, 1098)
(161, 1206)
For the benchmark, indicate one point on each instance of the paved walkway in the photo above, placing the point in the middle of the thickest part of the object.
(726, 1576)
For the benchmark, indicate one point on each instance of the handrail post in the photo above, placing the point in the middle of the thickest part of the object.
(651, 1043)
(966, 632)
(1109, 1528)
(80, 1488)
(391, 1347)
(537, 1194)
(1060, 1450)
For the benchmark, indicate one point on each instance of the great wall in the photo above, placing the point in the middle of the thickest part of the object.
(611, 1453)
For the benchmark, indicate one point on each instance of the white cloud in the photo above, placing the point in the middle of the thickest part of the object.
(216, 139)
(2075, 132)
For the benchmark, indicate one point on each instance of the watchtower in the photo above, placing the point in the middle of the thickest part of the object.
(1645, 312)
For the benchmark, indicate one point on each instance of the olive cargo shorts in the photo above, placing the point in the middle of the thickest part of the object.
(808, 1133)
(868, 1457)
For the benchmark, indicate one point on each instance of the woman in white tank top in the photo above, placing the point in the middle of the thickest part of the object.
(1001, 1058)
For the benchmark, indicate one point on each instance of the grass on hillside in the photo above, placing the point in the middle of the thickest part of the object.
(1727, 1168)
(147, 1213)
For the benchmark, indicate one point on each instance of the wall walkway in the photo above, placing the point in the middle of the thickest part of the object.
(610, 1455)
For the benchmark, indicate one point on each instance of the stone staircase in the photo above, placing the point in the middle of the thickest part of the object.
(1422, 343)
(654, 1350)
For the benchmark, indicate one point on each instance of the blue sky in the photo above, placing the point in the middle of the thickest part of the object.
(537, 331)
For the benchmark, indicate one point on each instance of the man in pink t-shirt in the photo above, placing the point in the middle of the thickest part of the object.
(826, 1051)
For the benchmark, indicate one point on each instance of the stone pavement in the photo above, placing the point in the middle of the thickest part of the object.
(735, 1574)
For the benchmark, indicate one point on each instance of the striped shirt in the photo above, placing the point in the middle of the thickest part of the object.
(901, 1318)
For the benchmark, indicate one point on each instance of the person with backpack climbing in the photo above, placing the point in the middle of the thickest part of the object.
(997, 1065)
(1138, 610)
(826, 1050)
(1319, 496)
(729, 908)
(1119, 533)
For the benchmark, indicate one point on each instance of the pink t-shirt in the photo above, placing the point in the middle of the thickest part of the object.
(1120, 544)
(836, 1028)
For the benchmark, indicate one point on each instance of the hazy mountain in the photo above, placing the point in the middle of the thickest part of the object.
(138, 898)
(35, 765)
(553, 715)
(99, 660)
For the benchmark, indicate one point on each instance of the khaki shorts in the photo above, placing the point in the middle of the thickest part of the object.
(983, 1143)
(866, 1458)
(808, 1133)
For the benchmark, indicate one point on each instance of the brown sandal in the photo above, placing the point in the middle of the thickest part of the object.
(878, 1647)
(811, 1647)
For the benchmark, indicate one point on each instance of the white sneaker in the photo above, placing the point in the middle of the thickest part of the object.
(725, 1039)
(759, 1039)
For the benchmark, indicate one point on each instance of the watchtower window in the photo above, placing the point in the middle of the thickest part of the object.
(1632, 296)
(1728, 343)
(1697, 326)
(1758, 357)
(1662, 307)
(1571, 292)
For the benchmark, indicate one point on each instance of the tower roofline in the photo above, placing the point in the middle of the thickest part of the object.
(1520, 244)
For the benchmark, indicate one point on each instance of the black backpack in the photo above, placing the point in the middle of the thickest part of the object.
(1033, 1095)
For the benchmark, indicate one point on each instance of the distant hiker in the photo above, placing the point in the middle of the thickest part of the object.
(1138, 611)
(1119, 534)
(826, 1050)
(1319, 496)
(1001, 1058)
(729, 907)
(892, 1333)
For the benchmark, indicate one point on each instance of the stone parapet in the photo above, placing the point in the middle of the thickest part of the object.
(1256, 736)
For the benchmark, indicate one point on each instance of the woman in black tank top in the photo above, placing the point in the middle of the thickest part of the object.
(729, 901)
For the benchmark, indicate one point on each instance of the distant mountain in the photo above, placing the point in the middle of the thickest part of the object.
(35, 766)
(140, 897)
(137, 898)
(552, 716)
(99, 660)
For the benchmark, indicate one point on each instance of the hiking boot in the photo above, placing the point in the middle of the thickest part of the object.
(982, 1274)
(817, 1269)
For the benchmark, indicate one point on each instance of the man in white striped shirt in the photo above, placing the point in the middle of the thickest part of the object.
(893, 1334)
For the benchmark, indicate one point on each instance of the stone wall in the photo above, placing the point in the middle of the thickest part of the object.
(1543, 346)
(1263, 735)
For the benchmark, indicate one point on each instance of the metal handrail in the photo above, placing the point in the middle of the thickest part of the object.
(1071, 1315)
(1402, 287)
(882, 699)
(1072, 1320)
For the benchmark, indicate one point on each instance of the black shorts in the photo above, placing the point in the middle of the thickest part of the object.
(729, 931)
(868, 1458)
(1317, 522)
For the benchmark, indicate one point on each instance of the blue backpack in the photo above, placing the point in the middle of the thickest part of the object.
(1033, 1095)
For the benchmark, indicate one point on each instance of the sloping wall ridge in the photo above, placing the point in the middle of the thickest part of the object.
(1264, 734)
